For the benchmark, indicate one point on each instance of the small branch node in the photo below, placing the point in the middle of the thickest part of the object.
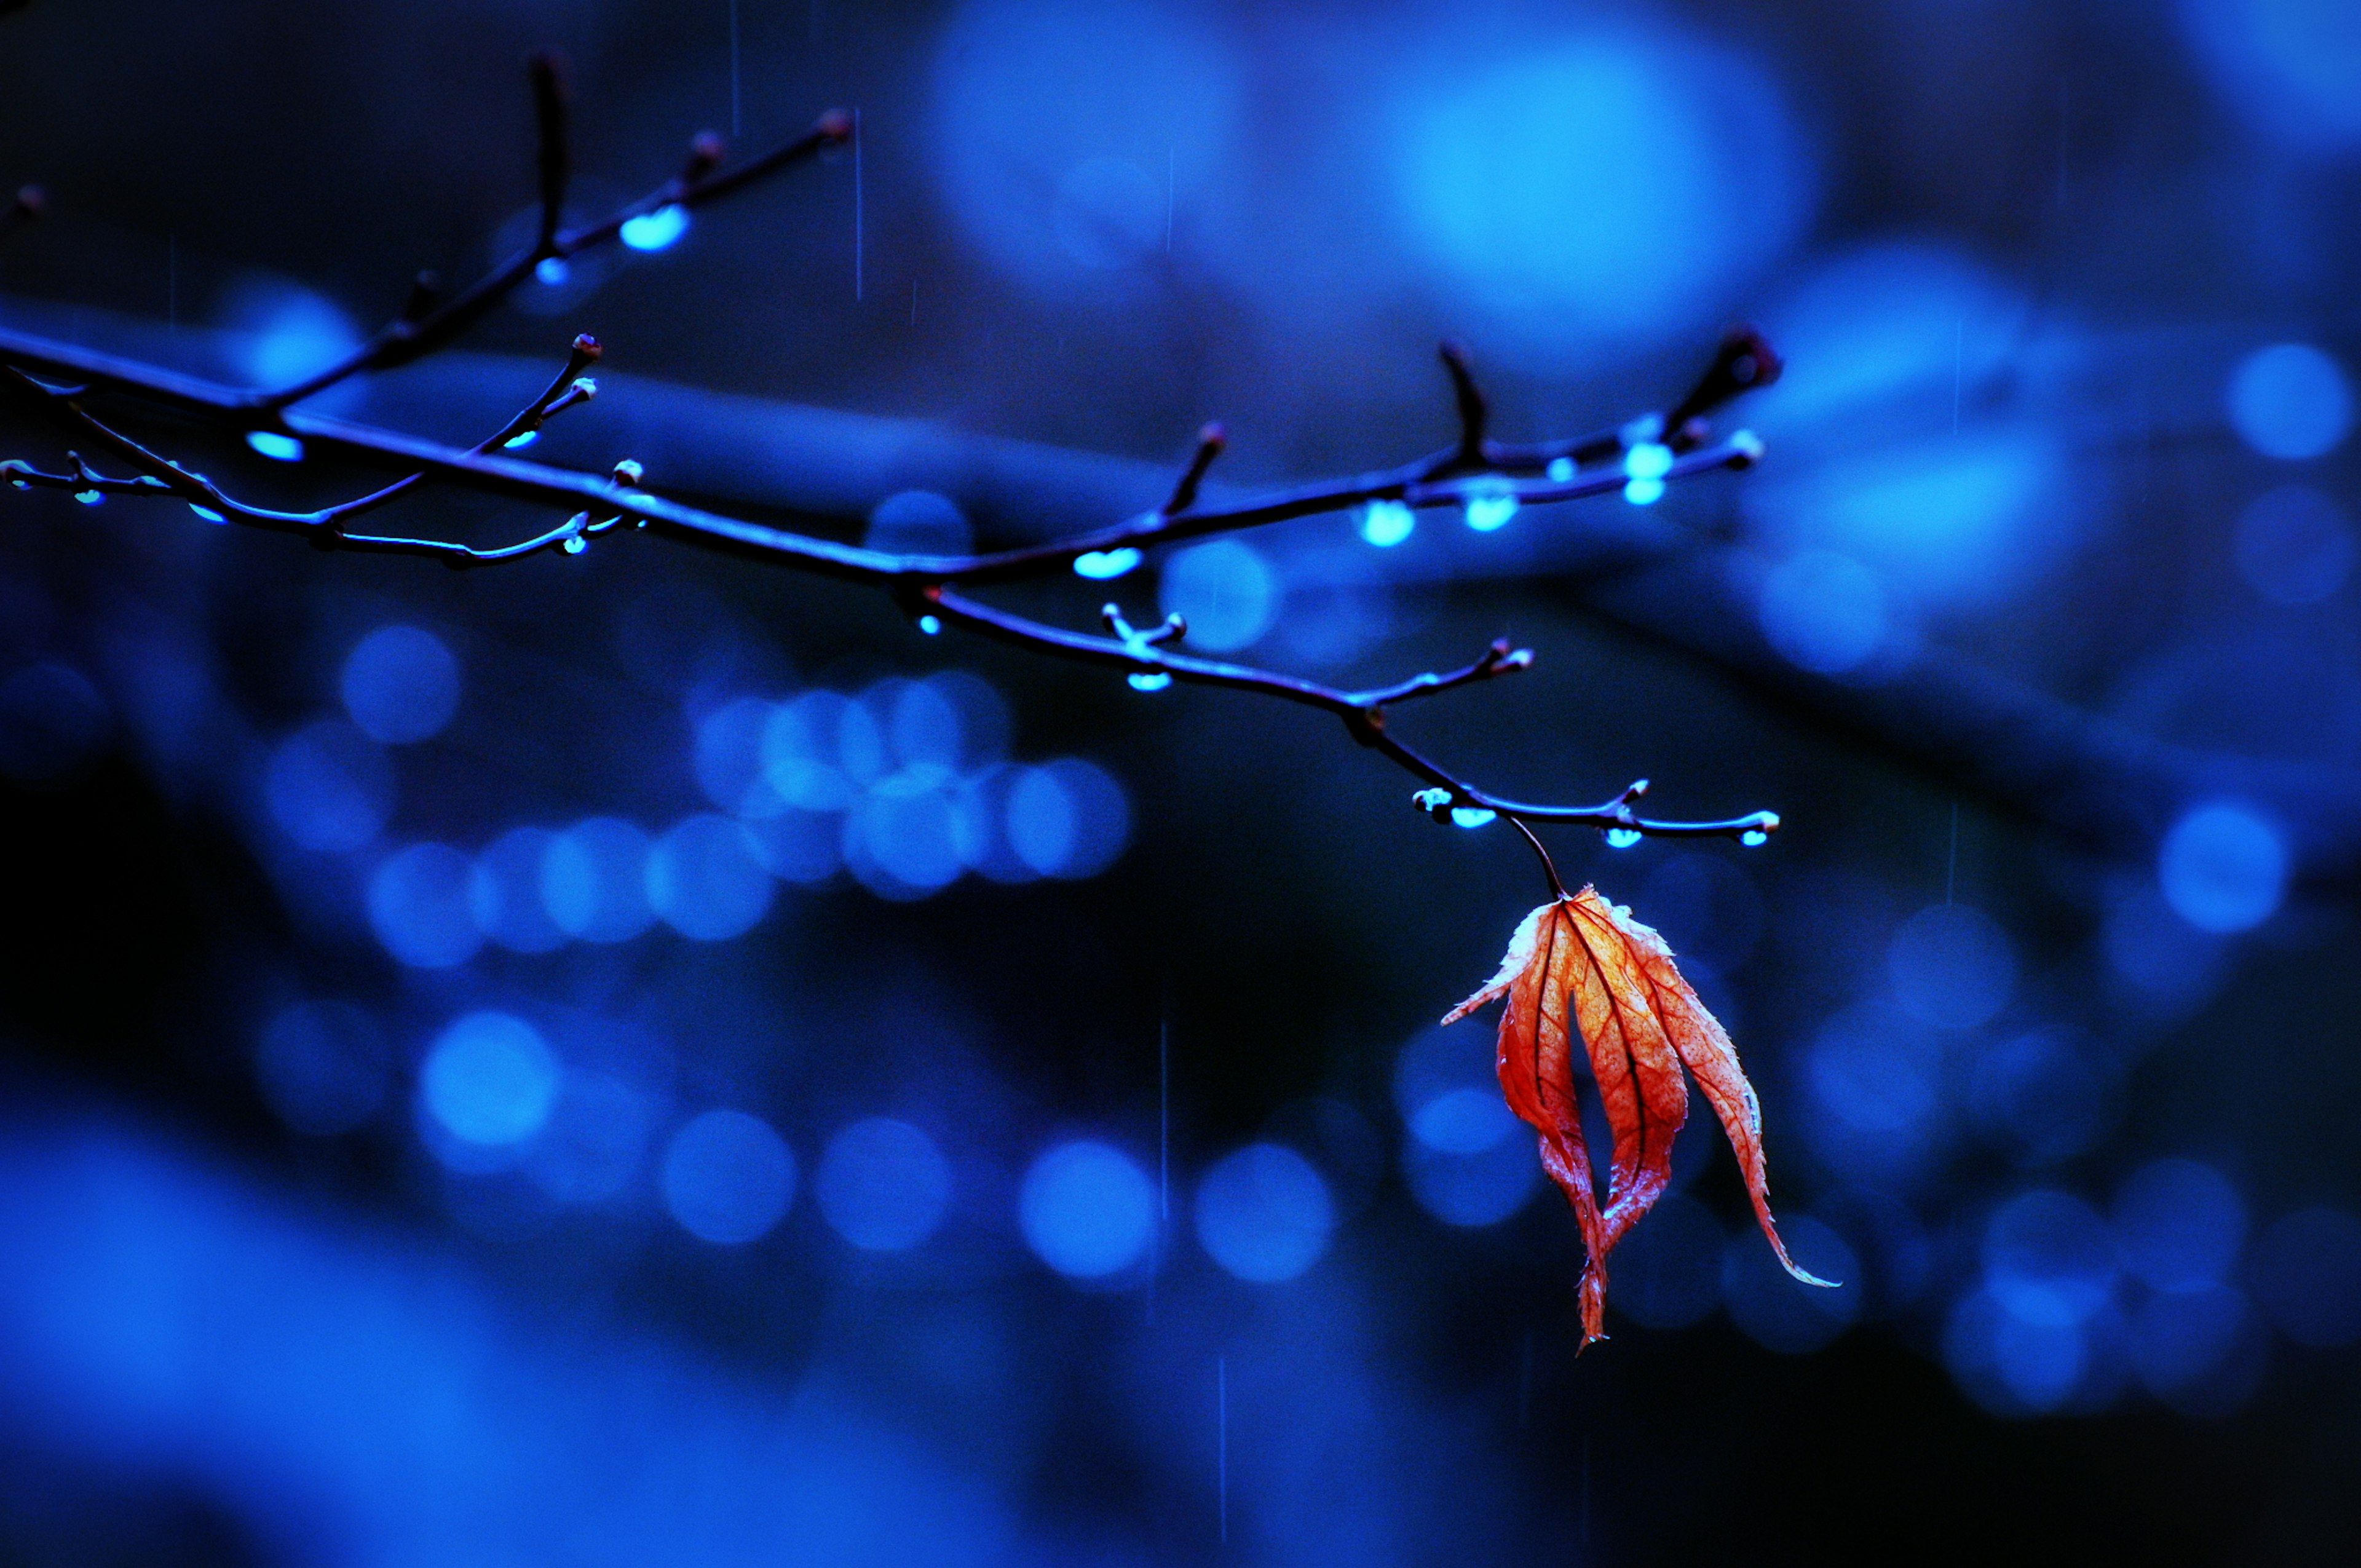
(705, 151)
(425, 293)
(1211, 441)
(1473, 414)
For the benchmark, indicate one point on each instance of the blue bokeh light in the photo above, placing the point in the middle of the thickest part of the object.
(2294, 545)
(2179, 1224)
(1505, 164)
(1472, 1190)
(1226, 592)
(419, 906)
(918, 523)
(2017, 1356)
(728, 1178)
(2289, 64)
(2290, 401)
(2046, 1095)
(905, 842)
(1952, 966)
(2307, 1276)
(2048, 1254)
(593, 1140)
(400, 684)
(594, 881)
(1087, 1210)
(1264, 1213)
(504, 892)
(329, 787)
(1066, 819)
(883, 1184)
(2223, 869)
(818, 748)
(1058, 129)
(489, 1080)
(727, 756)
(324, 1067)
(1667, 1274)
(1463, 1121)
(1824, 612)
(286, 333)
(706, 880)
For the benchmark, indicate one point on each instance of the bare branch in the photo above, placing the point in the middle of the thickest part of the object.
(1468, 398)
(413, 336)
(1210, 442)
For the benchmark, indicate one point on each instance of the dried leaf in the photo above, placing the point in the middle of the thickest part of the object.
(1583, 966)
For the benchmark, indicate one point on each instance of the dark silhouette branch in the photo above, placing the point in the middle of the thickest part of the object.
(23, 208)
(424, 325)
(59, 379)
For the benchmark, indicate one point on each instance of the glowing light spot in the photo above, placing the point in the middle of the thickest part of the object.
(1087, 1210)
(551, 271)
(1149, 680)
(930, 625)
(1623, 838)
(504, 892)
(883, 1184)
(1500, 167)
(1066, 819)
(594, 881)
(279, 448)
(2290, 401)
(1463, 1121)
(2047, 1253)
(728, 1178)
(1226, 592)
(1064, 129)
(2044, 1096)
(727, 755)
(1823, 612)
(2294, 545)
(2223, 869)
(521, 440)
(575, 545)
(1754, 838)
(658, 230)
(1951, 965)
(207, 513)
(400, 684)
(329, 787)
(490, 1079)
(1386, 524)
(286, 333)
(918, 523)
(812, 746)
(1103, 565)
(1648, 460)
(1264, 1213)
(706, 879)
(1560, 470)
(324, 1067)
(1473, 816)
(1644, 492)
(1491, 509)
(905, 844)
(2179, 1224)
(418, 904)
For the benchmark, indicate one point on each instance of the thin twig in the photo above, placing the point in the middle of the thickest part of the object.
(409, 337)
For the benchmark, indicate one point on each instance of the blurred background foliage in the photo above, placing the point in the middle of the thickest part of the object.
(639, 1058)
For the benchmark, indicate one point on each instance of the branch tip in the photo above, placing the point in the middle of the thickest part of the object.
(1469, 398)
(1211, 442)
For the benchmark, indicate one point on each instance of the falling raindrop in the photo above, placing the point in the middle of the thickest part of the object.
(932, 625)
(1386, 524)
(1104, 565)
(89, 497)
(1490, 509)
(275, 446)
(1754, 838)
(1644, 492)
(207, 513)
(575, 546)
(1471, 816)
(655, 231)
(1561, 469)
(522, 438)
(1623, 838)
(1149, 681)
(552, 272)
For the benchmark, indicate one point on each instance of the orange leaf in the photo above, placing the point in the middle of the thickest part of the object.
(1581, 965)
